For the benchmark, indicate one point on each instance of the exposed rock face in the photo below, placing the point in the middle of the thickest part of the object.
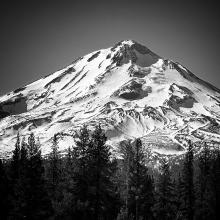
(13, 107)
(129, 89)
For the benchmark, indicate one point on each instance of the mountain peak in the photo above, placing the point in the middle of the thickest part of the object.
(128, 41)
(129, 44)
(130, 50)
(129, 90)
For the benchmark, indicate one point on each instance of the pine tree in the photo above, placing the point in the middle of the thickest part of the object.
(69, 166)
(141, 184)
(179, 196)
(28, 196)
(21, 187)
(14, 166)
(204, 197)
(123, 215)
(188, 184)
(64, 203)
(136, 185)
(33, 149)
(216, 183)
(19, 182)
(81, 174)
(39, 206)
(127, 157)
(4, 197)
(68, 205)
(165, 203)
(14, 170)
(54, 166)
(102, 196)
(54, 176)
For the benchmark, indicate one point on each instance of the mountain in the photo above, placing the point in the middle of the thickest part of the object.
(131, 91)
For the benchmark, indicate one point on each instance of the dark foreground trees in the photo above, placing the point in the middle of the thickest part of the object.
(136, 185)
(28, 196)
(95, 193)
(165, 205)
(89, 183)
(188, 193)
(4, 200)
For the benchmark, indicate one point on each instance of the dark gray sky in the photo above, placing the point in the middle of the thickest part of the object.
(39, 37)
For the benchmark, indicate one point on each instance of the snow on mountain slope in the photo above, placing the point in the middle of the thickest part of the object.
(127, 88)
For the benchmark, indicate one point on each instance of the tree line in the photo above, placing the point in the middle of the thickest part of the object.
(89, 183)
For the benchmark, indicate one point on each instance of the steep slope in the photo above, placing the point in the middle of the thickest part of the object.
(127, 88)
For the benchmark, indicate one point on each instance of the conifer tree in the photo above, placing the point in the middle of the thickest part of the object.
(136, 185)
(127, 157)
(188, 184)
(19, 181)
(204, 196)
(68, 204)
(21, 187)
(216, 183)
(179, 196)
(165, 203)
(54, 176)
(39, 205)
(141, 184)
(4, 197)
(54, 168)
(102, 196)
(69, 166)
(14, 166)
(123, 214)
(14, 170)
(81, 173)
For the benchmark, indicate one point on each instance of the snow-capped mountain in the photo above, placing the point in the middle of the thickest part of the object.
(128, 89)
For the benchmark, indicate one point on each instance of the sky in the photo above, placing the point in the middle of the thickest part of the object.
(38, 37)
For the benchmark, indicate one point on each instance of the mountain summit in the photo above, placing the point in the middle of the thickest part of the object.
(131, 91)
